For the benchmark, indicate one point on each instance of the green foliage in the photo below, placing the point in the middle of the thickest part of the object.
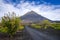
(56, 25)
(36, 26)
(10, 23)
(3, 29)
(21, 27)
(45, 24)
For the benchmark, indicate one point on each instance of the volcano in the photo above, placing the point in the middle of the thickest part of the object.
(33, 17)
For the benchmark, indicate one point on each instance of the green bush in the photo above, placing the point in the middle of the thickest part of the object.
(10, 24)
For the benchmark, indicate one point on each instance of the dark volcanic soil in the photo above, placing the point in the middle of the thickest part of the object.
(18, 36)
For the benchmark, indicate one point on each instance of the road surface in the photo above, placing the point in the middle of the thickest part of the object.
(36, 35)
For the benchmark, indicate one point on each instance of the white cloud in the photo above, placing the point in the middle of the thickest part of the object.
(48, 11)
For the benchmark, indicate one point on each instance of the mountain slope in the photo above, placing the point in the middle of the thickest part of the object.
(33, 16)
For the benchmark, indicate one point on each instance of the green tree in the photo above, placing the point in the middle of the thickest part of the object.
(45, 24)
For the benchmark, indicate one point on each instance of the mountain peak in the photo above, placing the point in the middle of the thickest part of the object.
(33, 16)
(31, 12)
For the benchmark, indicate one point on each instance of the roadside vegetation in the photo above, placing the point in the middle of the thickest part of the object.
(46, 24)
(10, 24)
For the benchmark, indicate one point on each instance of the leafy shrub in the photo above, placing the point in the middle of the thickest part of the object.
(10, 24)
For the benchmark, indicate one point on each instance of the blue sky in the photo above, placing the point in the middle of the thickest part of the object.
(54, 2)
(47, 8)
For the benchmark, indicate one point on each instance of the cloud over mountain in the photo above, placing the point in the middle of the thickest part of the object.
(21, 7)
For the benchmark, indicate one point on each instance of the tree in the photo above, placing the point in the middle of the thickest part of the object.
(11, 22)
(45, 24)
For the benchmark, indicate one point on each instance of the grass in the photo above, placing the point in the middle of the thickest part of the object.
(21, 27)
(36, 26)
(56, 26)
(53, 25)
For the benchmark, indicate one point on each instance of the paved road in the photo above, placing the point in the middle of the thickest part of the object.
(36, 35)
